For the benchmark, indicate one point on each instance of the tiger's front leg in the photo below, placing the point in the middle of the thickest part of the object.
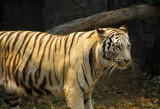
(88, 101)
(74, 99)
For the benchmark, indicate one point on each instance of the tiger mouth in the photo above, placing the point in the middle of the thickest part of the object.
(123, 66)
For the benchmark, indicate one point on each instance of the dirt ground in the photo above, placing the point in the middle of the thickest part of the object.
(126, 90)
(123, 90)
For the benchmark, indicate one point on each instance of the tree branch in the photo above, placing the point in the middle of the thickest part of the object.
(109, 18)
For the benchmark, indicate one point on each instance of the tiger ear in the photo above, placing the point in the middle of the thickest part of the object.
(100, 33)
(124, 28)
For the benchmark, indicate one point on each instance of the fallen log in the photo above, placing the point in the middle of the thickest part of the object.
(109, 18)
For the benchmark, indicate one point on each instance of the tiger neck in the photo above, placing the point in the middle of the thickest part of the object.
(96, 65)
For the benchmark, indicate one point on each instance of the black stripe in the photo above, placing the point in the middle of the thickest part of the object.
(39, 92)
(50, 47)
(90, 34)
(47, 91)
(112, 35)
(23, 41)
(14, 105)
(63, 70)
(2, 36)
(55, 48)
(42, 57)
(56, 75)
(10, 104)
(117, 37)
(53, 61)
(27, 90)
(18, 59)
(65, 46)
(7, 48)
(40, 43)
(8, 38)
(94, 71)
(27, 44)
(18, 52)
(29, 58)
(85, 101)
(16, 39)
(80, 36)
(84, 68)
(85, 78)
(10, 94)
(50, 80)
(90, 61)
(2, 33)
(16, 98)
(109, 43)
(6, 101)
(30, 82)
(16, 78)
(43, 85)
(104, 46)
(13, 66)
(25, 67)
(2, 64)
(39, 72)
(79, 83)
(36, 76)
(8, 67)
(60, 44)
(44, 82)
(71, 45)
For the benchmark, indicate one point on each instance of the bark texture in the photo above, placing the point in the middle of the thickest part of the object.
(110, 18)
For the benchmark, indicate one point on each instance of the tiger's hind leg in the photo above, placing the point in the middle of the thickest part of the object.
(11, 100)
(11, 96)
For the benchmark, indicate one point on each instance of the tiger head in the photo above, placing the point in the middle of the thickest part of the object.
(115, 47)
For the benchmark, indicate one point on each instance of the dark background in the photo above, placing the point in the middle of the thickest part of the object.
(42, 15)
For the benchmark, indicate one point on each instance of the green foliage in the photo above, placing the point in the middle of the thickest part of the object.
(58, 101)
(151, 68)
(1, 99)
(96, 97)
(137, 103)
(152, 59)
(38, 106)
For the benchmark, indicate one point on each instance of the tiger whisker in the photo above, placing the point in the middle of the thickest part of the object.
(107, 69)
(104, 72)
(135, 67)
(136, 60)
(112, 70)
(132, 66)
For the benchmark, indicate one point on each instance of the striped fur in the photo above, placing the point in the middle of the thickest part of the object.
(36, 63)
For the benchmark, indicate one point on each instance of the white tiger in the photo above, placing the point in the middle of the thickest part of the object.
(36, 63)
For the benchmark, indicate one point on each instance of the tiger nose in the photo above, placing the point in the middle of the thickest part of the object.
(127, 61)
